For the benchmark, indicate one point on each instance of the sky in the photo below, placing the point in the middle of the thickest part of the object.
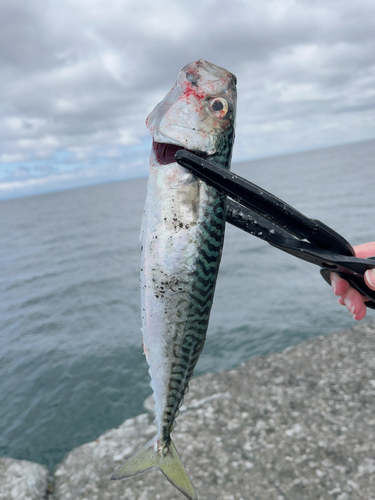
(79, 77)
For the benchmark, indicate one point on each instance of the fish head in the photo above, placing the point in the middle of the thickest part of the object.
(198, 114)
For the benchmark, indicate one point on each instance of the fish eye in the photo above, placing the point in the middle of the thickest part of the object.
(219, 107)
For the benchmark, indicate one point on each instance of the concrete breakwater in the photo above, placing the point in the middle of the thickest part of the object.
(296, 425)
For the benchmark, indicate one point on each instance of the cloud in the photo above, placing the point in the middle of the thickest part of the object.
(80, 77)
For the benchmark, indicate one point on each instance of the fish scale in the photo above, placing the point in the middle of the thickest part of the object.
(182, 240)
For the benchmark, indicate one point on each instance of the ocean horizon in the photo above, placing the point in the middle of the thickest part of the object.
(100, 181)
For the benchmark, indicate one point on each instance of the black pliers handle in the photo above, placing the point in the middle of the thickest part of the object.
(265, 216)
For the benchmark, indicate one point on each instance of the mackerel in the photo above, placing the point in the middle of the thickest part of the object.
(182, 238)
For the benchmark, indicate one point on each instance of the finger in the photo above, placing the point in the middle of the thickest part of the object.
(360, 312)
(365, 250)
(339, 285)
(370, 278)
(353, 300)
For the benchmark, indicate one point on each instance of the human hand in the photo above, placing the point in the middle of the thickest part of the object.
(349, 297)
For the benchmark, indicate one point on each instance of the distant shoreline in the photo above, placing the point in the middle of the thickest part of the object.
(80, 184)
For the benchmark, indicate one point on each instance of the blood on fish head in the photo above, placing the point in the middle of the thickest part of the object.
(195, 113)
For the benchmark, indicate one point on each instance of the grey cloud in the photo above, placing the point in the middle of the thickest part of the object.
(84, 79)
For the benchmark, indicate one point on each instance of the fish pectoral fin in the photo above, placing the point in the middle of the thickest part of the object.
(169, 463)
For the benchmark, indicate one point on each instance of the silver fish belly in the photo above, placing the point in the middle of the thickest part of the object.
(182, 239)
(181, 255)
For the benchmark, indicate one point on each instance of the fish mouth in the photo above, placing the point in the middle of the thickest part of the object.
(165, 152)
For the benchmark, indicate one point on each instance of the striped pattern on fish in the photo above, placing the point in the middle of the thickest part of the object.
(182, 240)
(197, 297)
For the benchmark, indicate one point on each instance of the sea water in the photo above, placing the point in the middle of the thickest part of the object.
(71, 360)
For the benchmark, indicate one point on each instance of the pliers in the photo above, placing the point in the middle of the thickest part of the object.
(265, 216)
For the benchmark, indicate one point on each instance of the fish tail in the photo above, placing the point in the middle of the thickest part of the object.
(167, 460)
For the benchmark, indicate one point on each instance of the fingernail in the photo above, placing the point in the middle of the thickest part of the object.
(333, 287)
(349, 304)
(370, 275)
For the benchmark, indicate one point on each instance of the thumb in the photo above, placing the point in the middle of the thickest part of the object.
(370, 278)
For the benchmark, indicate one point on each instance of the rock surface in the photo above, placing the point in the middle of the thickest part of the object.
(22, 480)
(299, 425)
